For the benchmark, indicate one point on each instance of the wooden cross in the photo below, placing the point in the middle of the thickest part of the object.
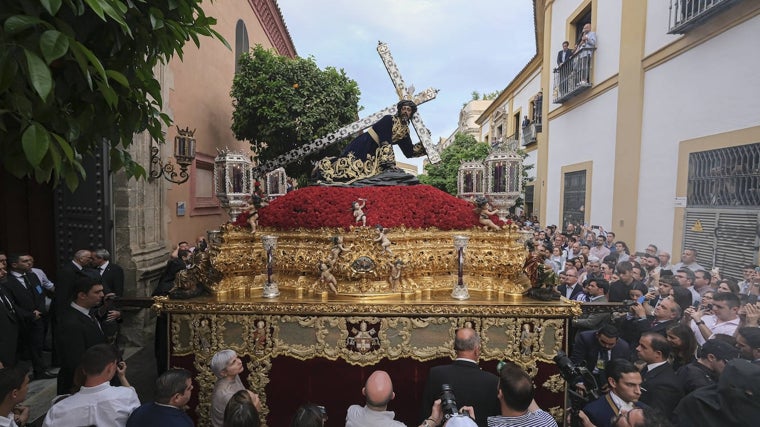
(403, 93)
(320, 144)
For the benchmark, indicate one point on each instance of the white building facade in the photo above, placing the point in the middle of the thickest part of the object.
(663, 145)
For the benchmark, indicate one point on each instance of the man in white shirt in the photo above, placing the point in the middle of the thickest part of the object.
(97, 402)
(724, 320)
(14, 384)
(688, 260)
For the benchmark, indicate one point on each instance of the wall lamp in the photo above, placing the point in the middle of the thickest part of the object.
(184, 153)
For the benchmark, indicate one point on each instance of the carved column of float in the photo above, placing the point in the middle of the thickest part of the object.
(271, 290)
(460, 291)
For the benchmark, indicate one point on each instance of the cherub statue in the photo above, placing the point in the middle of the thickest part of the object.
(327, 277)
(395, 277)
(253, 221)
(337, 250)
(359, 215)
(249, 215)
(484, 210)
(383, 239)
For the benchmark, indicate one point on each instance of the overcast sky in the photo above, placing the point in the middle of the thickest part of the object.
(455, 46)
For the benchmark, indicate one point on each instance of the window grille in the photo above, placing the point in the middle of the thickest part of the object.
(573, 210)
(726, 177)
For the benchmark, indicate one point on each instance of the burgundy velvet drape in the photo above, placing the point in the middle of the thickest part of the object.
(336, 385)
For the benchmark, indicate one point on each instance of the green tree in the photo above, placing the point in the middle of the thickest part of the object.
(283, 103)
(77, 74)
(443, 175)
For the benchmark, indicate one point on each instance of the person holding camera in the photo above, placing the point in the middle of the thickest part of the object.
(472, 386)
(665, 315)
(518, 408)
(724, 320)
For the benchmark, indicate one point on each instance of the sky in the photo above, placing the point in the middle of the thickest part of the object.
(455, 46)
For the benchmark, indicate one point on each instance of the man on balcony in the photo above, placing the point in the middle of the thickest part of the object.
(564, 54)
(583, 49)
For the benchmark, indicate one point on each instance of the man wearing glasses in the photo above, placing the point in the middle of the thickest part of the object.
(571, 289)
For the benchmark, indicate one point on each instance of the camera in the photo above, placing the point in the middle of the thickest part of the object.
(449, 406)
(448, 402)
(628, 303)
(573, 375)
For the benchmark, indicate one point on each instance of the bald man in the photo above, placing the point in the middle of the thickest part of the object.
(471, 385)
(378, 391)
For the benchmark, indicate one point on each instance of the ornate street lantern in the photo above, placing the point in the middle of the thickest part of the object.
(184, 154)
(470, 180)
(503, 176)
(232, 181)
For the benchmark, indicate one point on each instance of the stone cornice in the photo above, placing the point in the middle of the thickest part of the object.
(273, 23)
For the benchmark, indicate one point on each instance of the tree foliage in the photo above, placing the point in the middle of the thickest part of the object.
(77, 74)
(443, 175)
(283, 103)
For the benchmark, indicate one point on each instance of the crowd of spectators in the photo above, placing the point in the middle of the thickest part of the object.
(678, 329)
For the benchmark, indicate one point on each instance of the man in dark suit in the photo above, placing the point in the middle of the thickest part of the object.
(624, 382)
(571, 289)
(68, 274)
(748, 343)
(593, 349)
(112, 275)
(79, 329)
(9, 324)
(619, 290)
(564, 54)
(471, 385)
(661, 388)
(665, 315)
(29, 302)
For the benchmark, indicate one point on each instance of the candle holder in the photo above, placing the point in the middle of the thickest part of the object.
(460, 291)
(271, 290)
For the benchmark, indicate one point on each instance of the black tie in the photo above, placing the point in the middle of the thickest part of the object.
(28, 284)
(644, 371)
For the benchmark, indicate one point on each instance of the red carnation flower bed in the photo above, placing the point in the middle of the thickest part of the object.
(416, 206)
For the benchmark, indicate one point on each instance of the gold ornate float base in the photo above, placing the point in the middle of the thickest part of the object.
(416, 262)
(361, 333)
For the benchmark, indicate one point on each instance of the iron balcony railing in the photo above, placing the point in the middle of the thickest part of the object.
(529, 134)
(574, 75)
(686, 14)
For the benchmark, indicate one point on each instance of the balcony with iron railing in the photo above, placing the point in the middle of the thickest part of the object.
(529, 134)
(687, 14)
(574, 75)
